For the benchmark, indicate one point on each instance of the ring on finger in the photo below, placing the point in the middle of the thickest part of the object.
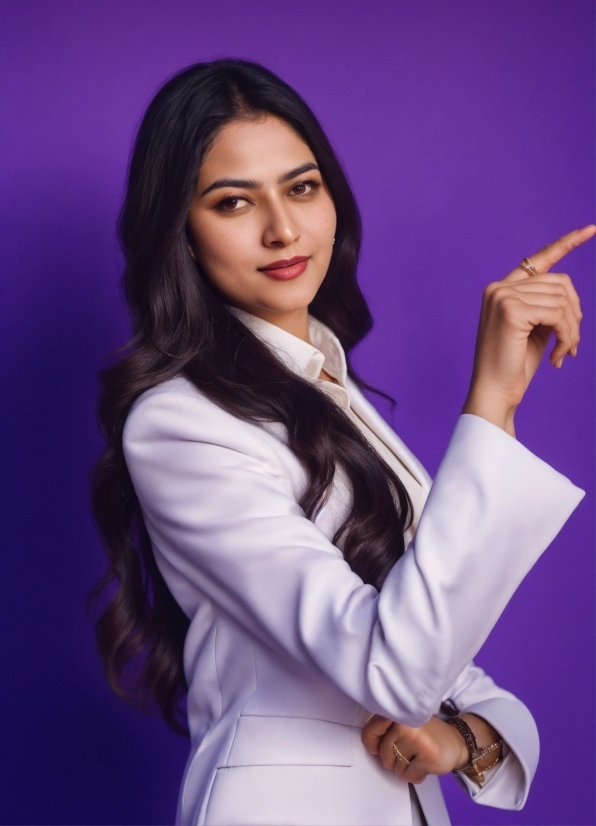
(527, 265)
(399, 755)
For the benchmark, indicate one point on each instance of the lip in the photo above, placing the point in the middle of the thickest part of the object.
(284, 263)
(286, 268)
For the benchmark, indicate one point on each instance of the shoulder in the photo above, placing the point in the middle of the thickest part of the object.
(174, 403)
(178, 412)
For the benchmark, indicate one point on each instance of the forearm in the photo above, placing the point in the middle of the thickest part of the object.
(492, 407)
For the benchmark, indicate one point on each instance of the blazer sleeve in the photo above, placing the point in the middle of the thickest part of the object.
(506, 785)
(220, 510)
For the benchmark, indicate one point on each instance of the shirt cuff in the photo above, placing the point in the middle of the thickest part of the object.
(508, 783)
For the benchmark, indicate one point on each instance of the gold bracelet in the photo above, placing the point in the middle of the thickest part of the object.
(486, 751)
(475, 752)
(486, 768)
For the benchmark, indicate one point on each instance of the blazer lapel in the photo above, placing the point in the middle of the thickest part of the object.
(363, 408)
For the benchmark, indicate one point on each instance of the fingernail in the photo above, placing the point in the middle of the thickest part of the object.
(574, 351)
(559, 362)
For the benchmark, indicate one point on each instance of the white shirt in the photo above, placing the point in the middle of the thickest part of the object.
(326, 353)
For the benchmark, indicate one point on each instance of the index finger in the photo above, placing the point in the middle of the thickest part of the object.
(545, 258)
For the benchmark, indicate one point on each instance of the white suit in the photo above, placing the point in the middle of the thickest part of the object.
(288, 650)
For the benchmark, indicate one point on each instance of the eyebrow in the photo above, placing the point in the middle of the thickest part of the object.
(249, 183)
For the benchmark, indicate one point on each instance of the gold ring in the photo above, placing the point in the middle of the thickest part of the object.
(527, 265)
(399, 755)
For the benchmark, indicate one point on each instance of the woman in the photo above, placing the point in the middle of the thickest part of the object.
(275, 554)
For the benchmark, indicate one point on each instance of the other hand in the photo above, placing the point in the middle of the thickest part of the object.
(434, 748)
(516, 320)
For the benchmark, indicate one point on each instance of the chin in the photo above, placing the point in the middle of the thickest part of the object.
(287, 301)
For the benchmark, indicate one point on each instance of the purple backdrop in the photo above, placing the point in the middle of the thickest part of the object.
(467, 129)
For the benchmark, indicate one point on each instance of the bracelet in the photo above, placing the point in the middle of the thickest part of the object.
(494, 763)
(474, 750)
(484, 752)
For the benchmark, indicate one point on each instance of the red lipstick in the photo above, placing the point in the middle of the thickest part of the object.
(286, 268)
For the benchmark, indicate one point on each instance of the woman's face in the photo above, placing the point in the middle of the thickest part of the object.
(261, 200)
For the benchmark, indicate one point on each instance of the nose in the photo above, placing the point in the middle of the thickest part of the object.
(280, 229)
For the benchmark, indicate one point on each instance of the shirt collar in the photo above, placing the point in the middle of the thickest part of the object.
(301, 357)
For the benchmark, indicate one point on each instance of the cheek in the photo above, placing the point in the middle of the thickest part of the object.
(225, 243)
(323, 221)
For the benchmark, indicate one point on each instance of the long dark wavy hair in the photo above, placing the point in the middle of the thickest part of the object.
(182, 327)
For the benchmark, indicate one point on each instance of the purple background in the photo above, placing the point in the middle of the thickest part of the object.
(467, 129)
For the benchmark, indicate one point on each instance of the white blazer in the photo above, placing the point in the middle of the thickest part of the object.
(288, 650)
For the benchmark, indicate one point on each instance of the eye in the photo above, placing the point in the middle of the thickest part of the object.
(306, 188)
(230, 204)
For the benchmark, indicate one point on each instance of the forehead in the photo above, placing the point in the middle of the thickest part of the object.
(262, 149)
